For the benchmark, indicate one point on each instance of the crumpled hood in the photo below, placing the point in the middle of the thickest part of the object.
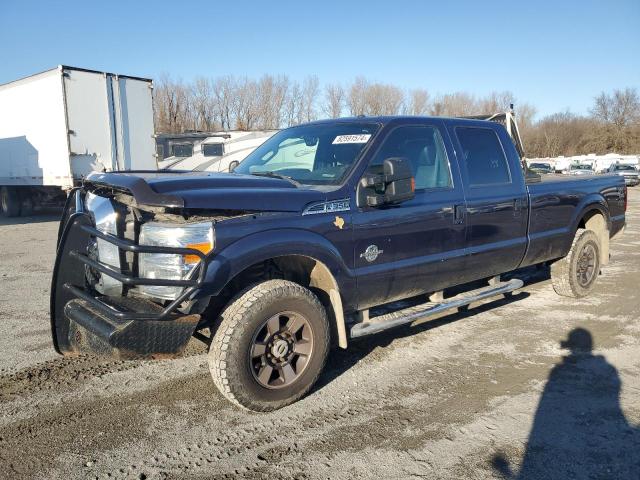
(204, 190)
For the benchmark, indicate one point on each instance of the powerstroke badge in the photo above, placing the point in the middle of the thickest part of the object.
(371, 253)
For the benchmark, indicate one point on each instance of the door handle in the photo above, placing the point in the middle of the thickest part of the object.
(517, 206)
(458, 214)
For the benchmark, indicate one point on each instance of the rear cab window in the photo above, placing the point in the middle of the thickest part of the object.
(483, 157)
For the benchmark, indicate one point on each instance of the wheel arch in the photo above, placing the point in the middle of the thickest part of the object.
(597, 220)
(300, 256)
(593, 213)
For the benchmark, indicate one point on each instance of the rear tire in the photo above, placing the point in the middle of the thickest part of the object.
(575, 275)
(271, 345)
(10, 201)
(26, 202)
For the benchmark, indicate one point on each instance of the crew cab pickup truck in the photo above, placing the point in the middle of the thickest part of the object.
(293, 251)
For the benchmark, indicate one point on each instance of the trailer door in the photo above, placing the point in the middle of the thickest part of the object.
(89, 122)
(134, 124)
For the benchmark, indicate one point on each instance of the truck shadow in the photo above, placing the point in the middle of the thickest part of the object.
(341, 361)
(579, 429)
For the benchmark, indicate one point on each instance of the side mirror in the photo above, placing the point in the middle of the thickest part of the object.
(394, 185)
(233, 165)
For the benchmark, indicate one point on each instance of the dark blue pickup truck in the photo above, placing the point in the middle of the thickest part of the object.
(294, 250)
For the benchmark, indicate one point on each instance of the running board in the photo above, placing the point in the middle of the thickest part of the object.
(425, 310)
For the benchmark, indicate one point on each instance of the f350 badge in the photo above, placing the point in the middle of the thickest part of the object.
(371, 253)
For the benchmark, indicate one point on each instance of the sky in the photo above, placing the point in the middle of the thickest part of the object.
(557, 55)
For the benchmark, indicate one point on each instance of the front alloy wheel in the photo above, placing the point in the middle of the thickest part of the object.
(281, 349)
(270, 346)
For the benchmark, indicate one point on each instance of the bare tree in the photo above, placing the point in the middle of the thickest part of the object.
(525, 113)
(245, 104)
(223, 89)
(292, 113)
(334, 100)
(203, 104)
(621, 108)
(310, 91)
(455, 104)
(417, 102)
(373, 98)
(383, 99)
(618, 115)
(274, 101)
(272, 95)
(172, 105)
(356, 100)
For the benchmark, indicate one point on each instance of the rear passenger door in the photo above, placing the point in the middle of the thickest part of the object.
(496, 211)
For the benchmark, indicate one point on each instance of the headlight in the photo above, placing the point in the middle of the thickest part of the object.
(105, 217)
(198, 236)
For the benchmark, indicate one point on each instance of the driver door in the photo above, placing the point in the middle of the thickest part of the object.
(414, 247)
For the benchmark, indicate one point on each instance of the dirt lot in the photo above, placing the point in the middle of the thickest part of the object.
(485, 394)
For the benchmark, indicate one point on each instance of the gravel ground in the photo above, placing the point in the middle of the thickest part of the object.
(489, 393)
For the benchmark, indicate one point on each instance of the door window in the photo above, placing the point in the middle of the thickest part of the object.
(483, 156)
(423, 147)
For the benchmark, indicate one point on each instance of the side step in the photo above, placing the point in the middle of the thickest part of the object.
(425, 310)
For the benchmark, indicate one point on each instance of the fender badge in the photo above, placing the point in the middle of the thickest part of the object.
(339, 222)
(371, 253)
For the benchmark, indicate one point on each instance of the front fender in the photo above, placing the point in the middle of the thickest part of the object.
(256, 248)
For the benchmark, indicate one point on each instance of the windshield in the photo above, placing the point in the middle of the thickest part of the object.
(540, 165)
(625, 167)
(580, 167)
(317, 154)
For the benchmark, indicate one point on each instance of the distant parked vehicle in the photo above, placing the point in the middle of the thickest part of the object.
(58, 126)
(581, 170)
(541, 168)
(629, 172)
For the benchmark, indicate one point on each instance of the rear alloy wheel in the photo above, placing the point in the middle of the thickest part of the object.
(271, 345)
(575, 275)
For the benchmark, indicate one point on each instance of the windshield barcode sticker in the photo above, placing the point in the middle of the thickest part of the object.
(360, 138)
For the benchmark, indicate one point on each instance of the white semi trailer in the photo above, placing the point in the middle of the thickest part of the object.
(58, 126)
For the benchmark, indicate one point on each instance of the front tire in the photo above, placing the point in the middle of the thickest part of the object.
(271, 345)
(575, 275)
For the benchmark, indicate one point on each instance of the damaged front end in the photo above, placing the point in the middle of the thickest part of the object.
(116, 292)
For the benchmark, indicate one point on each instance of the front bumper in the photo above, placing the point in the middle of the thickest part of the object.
(631, 181)
(84, 321)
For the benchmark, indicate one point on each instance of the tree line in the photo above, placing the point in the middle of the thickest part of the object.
(275, 101)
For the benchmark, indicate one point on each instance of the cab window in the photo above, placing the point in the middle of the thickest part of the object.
(423, 147)
(483, 156)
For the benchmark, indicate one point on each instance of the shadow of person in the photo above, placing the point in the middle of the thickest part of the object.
(579, 430)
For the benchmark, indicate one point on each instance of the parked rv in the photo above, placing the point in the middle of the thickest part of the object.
(221, 151)
(58, 126)
(171, 147)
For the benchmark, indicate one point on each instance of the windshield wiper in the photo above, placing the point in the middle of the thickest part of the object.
(277, 175)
